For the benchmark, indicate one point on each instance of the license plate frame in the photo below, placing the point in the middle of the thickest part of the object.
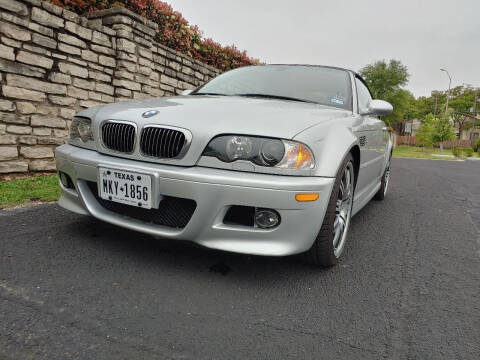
(115, 185)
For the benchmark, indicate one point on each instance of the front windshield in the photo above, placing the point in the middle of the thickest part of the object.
(321, 85)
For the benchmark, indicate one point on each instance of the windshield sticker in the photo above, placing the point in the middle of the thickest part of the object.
(337, 100)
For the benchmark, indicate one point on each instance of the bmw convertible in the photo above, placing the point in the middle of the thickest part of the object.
(266, 160)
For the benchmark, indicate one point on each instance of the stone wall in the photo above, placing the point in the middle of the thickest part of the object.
(53, 63)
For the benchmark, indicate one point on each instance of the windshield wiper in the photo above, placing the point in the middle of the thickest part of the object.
(267, 96)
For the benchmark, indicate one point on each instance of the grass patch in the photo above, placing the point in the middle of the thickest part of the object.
(419, 152)
(22, 191)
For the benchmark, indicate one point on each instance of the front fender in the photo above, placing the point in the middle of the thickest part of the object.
(330, 144)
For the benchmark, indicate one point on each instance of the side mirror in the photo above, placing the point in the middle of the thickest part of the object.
(187, 92)
(377, 108)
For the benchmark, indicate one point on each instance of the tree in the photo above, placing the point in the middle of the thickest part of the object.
(425, 131)
(437, 130)
(385, 81)
(443, 129)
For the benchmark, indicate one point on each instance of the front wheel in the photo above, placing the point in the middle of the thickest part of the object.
(330, 241)
(382, 192)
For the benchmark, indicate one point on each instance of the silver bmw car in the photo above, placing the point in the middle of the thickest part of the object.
(265, 160)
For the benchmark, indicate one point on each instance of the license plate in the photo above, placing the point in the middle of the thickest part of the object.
(125, 187)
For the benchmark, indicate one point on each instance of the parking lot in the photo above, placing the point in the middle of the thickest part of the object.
(407, 286)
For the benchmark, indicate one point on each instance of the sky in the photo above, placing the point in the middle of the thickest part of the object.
(424, 35)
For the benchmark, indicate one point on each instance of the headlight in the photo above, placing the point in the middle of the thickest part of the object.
(261, 151)
(81, 129)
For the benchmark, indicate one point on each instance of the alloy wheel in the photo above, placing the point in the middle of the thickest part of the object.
(343, 210)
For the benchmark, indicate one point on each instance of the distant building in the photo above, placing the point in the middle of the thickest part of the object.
(410, 127)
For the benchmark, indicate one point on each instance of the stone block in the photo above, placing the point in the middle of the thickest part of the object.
(77, 61)
(100, 38)
(60, 133)
(57, 10)
(71, 17)
(89, 56)
(47, 110)
(60, 78)
(145, 53)
(19, 130)
(8, 152)
(24, 107)
(104, 88)
(34, 59)
(130, 66)
(45, 18)
(124, 74)
(123, 92)
(3, 129)
(47, 121)
(168, 81)
(131, 85)
(14, 32)
(79, 30)
(51, 140)
(77, 93)
(41, 29)
(107, 61)
(83, 84)
(89, 103)
(11, 42)
(6, 105)
(44, 41)
(6, 52)
(27, 140)
(99, 76)
(92, 95)
(102, 49)
(69, 49)
(36, 152)
(23, 94)
(8, 140)
(108, 98)
(42, 131)
(74, 70)
(14, 119)
(62, 100)
(14, 6)
(35, 84)
(42, 165)
(67, 113)
(37, 49)
(72, 40)
(13, 167)
(125, 45)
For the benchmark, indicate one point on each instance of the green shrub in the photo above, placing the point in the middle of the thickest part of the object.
(456, 151)
(468, 151)
(477, 145)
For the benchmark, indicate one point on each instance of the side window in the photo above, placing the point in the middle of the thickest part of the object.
(363, 94)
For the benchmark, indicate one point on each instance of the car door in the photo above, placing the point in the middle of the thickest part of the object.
(370, 136)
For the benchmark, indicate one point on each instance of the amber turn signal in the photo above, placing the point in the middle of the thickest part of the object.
(306, 197)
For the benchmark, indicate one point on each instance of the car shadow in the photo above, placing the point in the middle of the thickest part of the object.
(111, 240)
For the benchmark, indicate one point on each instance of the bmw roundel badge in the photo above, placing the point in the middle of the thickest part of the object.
(149, 113)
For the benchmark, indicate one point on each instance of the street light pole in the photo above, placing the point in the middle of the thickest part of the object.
(449, 85)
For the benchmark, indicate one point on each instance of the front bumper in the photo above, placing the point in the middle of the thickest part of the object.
(214, 191)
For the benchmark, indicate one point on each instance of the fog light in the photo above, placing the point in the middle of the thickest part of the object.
(65, 180)
(266, 218)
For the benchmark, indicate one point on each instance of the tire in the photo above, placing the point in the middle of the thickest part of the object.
(324, 252)
(382, 192)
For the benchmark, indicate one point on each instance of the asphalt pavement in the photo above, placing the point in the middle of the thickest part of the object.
(407, 287)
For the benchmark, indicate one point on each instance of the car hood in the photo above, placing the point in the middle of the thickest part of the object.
(207, 116)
